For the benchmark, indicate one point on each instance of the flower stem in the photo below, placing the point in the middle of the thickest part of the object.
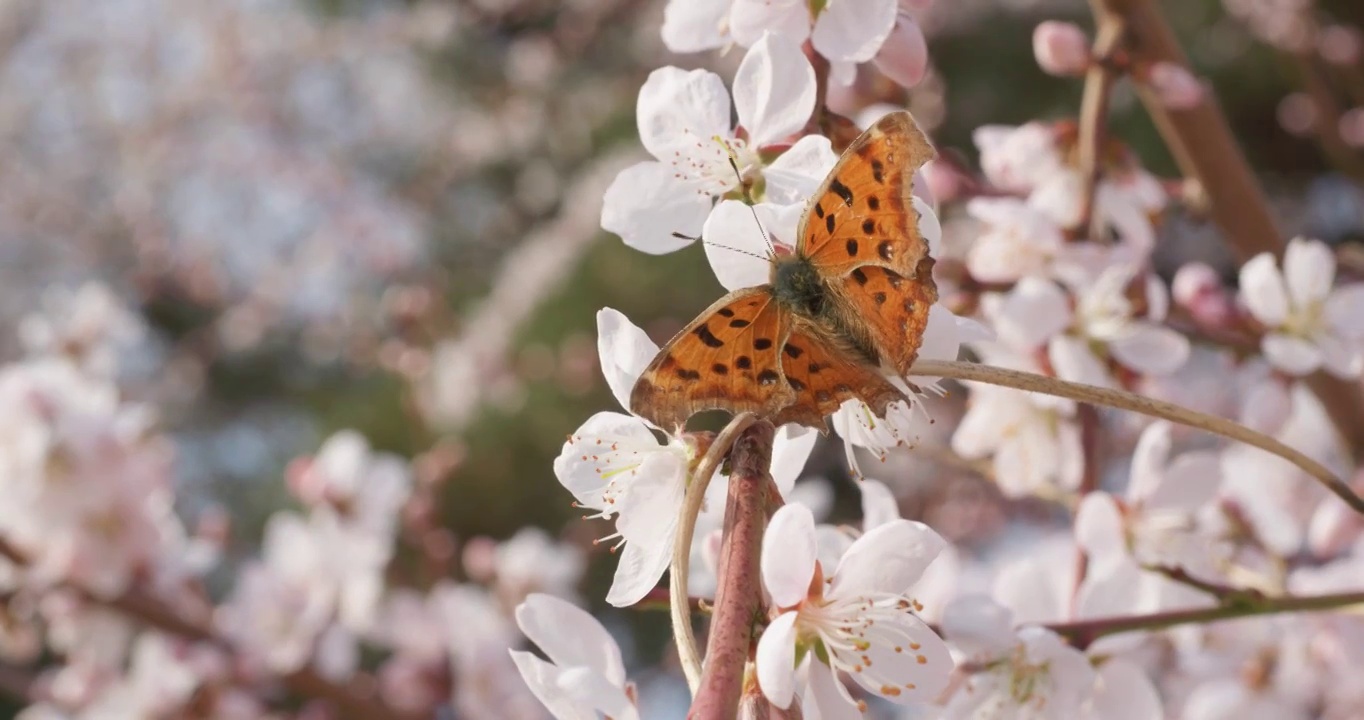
(1081, 633)
(1099, 81)
(1121, 399)
(1201, 142)
(738, 594)
(679, 601)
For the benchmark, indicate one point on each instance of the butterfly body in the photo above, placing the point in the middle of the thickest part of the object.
(852, 297)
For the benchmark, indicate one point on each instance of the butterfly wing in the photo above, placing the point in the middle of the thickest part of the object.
(726, 359)
(890, 311)
(863, 213)
(823, 373)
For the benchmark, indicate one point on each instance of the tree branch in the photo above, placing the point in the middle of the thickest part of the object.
(1081, 633)
(739, 594)
(1099, 81)
(1202, 144)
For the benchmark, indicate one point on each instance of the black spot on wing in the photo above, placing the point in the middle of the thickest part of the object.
(852, 248)
(829, 224)
(743, 362)
(768, 377)
(720, 369)
(879, 297)
(819, 211)
(869, 226)
(873, 203)
(725, 312)
(859, 276)
(886, 250)
(838, 188)
(795, 384)
(878, 171)
(739, 323)
(793, 351)
(688, 374)
(762, 344)
(703, 332)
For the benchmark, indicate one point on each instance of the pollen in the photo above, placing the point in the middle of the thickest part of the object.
(921, 660)
(890, 690)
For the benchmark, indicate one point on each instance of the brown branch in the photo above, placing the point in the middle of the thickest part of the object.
(1202, 144)
(738, 596)
(1081, 633)
(1099, 81)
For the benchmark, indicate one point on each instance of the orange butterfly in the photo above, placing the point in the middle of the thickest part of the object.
(855, 295)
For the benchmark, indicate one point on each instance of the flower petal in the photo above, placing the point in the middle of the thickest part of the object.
(796, 174)
(790, 449)
(735, 244)
(751, 19)
(879, 506)
(788, 555)
(1074, 361)
(1190, 482)
(1148, 462)
(774, 90)
(1291, 354)
(889, 558)
(1123, 692)
(930, 227)
(776, 660)
(677, 107)
(979, 625)
(645, 204)
(1099, 527)
(570, 636)
(648, 523)
(695, 25)
(579, 472)
(853, 32)
(825, 696)
(589, 688)
(1150, 348)
(625, 351)
(1263, 291)
(912, 663)
(1309, 268)
(543, 680)
(1341, 311)
(1030, 314)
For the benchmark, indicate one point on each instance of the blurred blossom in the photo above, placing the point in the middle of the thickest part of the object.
(1061, 48)
(585, 674)
(1175, 86)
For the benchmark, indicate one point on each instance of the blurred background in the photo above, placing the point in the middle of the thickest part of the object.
(383, 215)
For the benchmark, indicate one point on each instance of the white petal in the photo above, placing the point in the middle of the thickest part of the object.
(1341, 311)
(1293, 355)
(776, 660)
(1190, 482)
(1037, 587)
(1113, 586)
(1148, 461)
(695, 25)
(774, 90)
(978, 624)
(648, 522)
(790, 449)
(589, 688)
(878, 504)
(1262, 290)
(788, 555)
(640, 568)
(1309, 268)
(853, 32)
(543, 680)
(889, 558)
(1073, 361)
(735, 245)
(1099, 527)
(645, 204)
(796, 174)
(750, 19)
(826, 698)
(1150, 348)
(677, 107)
(570, 636)
(1030, 314)
(917, 674)
(1343, 359)
(930, 228)
(575, 467)
(625, 351)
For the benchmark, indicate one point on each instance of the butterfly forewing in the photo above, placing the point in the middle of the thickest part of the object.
(824, 374)
(863, 213)
(726, 359)
(892, 310)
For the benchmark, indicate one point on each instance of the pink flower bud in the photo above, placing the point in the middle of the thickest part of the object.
(904, 56)
(1176, 87)
(1061, 48)
(1199, 290)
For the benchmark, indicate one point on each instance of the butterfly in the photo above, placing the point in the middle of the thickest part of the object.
(853, 296)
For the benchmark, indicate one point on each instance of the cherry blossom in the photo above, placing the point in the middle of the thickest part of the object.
(584, 675)
(1154, 525)
(859, 622)
(1061, 48)
(684, 122)
(1035, 445)
(1308, 324)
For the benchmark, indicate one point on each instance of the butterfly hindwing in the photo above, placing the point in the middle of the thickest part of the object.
(863, 214)
(727, 359)
(823, 374)
(891, 310)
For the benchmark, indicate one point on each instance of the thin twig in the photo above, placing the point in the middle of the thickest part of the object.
(1225, 594)
(1083, 632)
(738, 592)
(1136, 403)
(679, 600)
(1099, 81)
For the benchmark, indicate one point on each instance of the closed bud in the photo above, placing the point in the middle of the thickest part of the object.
(1061, 48)
(1199, 290)
(1175, 86)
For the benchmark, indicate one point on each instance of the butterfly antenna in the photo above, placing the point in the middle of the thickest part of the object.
(699, 239)
(749, 201)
